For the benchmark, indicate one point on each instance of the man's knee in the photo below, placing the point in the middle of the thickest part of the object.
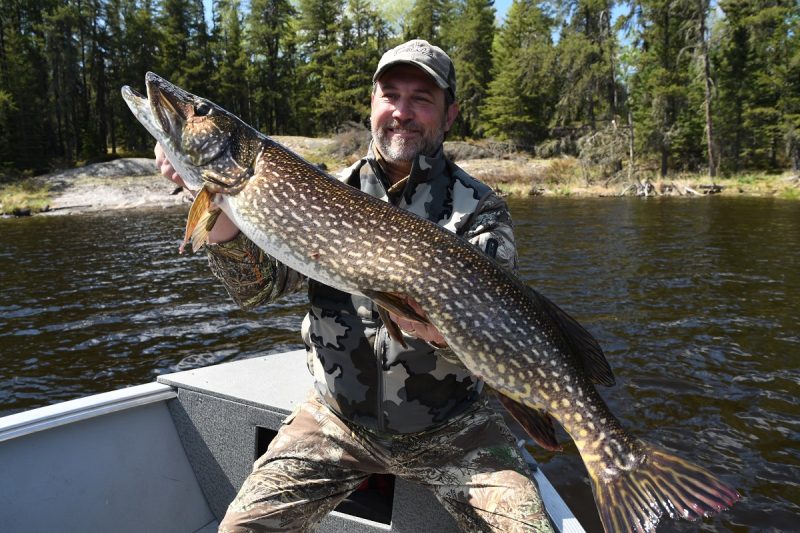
(288, 494)
(509, 501)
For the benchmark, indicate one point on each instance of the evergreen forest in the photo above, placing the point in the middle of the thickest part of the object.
(707, 86)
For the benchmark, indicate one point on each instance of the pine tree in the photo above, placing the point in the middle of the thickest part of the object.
(703, 37)
(62, 51)
(26, 140)
(229, 73)
(758, 82)
(271, 74)
(364, 38)
(586, 67)
(425, 20)
(468, 39)
(135, 55)
(660, 87)
(184, 54)
(790, 97)
(319, 29)
(519, 98)
(94, 119)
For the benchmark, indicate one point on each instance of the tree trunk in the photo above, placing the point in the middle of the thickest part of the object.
(712, 159)
(666, 122)
(630, 145)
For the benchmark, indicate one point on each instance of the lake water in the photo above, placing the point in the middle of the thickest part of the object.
(695, 301)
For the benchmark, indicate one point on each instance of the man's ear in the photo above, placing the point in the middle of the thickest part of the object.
(452, 113)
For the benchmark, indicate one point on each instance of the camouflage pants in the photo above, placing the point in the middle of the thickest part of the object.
(315, 461)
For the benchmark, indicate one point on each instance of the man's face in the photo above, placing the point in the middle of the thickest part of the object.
(408, 114)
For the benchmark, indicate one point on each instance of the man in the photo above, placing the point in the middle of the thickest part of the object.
(381, 404)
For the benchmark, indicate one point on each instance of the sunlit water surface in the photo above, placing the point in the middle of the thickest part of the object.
(696, 303)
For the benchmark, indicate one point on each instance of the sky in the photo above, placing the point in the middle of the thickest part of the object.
(502, 7)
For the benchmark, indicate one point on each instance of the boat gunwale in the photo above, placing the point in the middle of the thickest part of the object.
(51, 416)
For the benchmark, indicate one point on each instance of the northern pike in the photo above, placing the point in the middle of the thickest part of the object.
(504, 332)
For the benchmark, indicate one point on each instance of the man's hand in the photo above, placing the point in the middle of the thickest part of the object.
(166, 168)
(224, 229)
(421, 330)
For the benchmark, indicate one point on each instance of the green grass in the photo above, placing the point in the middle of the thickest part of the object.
(750, 179)
(24, 195)
(758, 184)
(790, 194)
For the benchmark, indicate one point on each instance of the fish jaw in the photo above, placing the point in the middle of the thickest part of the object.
(170, 105)
(142, 109)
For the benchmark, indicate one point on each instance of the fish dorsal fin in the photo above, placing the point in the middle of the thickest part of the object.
(536, 423)
(202, 217)
(583, 345)
(397, 304)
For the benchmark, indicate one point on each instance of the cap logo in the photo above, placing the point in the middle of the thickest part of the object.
(419, 48)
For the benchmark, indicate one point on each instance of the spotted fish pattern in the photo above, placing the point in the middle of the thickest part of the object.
(362, 373)
(502, 331)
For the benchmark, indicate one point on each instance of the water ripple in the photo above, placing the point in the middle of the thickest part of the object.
(695, 303)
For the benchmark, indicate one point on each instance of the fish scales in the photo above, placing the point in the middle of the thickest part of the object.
(451, 307)
(503, 299)
(503, 332)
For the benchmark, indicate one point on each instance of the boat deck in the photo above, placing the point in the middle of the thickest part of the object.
(170, 456)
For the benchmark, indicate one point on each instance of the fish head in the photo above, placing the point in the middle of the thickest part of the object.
(205, 143)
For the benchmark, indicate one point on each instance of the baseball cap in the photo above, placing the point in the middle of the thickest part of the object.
(424, 55)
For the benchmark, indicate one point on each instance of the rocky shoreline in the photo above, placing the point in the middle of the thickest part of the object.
(119, 184)
(129, 183)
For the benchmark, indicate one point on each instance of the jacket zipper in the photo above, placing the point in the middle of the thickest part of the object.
(379, 348)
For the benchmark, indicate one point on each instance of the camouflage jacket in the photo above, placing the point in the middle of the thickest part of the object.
(360, 372)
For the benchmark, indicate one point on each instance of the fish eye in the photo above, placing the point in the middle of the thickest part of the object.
(202, 109)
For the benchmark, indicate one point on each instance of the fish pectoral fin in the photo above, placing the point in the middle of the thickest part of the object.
(213, 177)
(231, 181)
(582, 343)
(202, 217)
(389, 302)
(536, 423)
(396, 303)
(203, 228)
(391, 327)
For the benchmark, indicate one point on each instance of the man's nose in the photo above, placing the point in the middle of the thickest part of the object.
(402, 110)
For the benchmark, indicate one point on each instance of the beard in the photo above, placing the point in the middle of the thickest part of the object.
(398, 149)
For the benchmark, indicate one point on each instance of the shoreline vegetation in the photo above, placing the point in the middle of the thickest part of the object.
(133, 182)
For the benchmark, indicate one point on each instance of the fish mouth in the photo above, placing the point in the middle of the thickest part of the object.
(162, 112)
(140, 107)
(168, 103)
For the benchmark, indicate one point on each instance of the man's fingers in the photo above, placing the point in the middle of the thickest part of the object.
(422, 331)
(165, 167)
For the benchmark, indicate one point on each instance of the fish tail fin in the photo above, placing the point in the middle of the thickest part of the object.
(662, 483)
